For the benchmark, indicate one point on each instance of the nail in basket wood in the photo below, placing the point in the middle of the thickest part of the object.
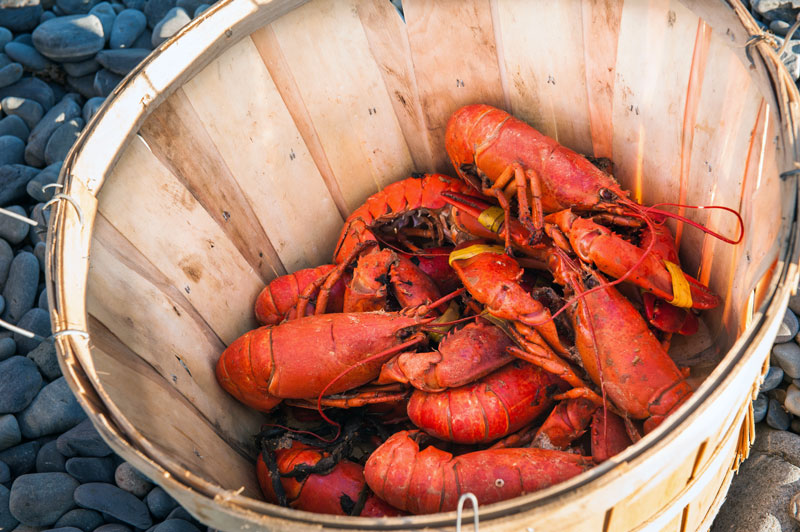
(233, 153)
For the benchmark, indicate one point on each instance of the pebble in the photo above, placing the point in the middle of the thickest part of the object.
(105, 12)
(130, 480)
(788, 328)
(24, 38)
(39, 251)
(54, 410)
(91, 107)
(200, 9)
(20, 15)
(83, 440)
(62, 139)
(5, 474)
(173, 21)
(792, 401)
(80, 518)
(71, 38)
(113, 527)
(772, 379)
(47, 15)
(189, 5)
(2, 308)
(9, 432)
(145, 40)
(21, 458)
(21, 286)
(39, 499)
(760, 408)
(175, 525)
(20, 381)
(7, 347)
(779, 27)
(777, 417)
(105, 81)
(127, 27)
(84, 85)
(31, 88)
(37, 321)
(64, 110)
(7, 521)
(74, 7)
(46, 177)
(27, 56)
(121, 61)
(6, 256)
(12, 230)
(46, 358)
(43, 302)
(90, 469)
(181, 513)
(81, 68)
(160, 503)
(12, 150)
(5, 36)
(13, 180)
(28, 110)
(49, 460)
(14, 125)
(65, 529)
(117, 503)
(10, 74)
(155, 10)
(788, 357)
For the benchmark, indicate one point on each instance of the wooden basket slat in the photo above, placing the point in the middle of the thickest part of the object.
(648, 105)
(171, 336)
(175, 135)
(271, 164)
(545, 69)
(216, 279)
(361, 136)
(455, 62)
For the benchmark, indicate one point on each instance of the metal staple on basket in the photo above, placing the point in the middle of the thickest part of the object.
(474, 500)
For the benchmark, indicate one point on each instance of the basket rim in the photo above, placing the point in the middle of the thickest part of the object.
(91, 396)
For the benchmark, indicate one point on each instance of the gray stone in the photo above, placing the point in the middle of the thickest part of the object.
(91, 469)
(27, 56)
(7, 347)
(5, 36)
(81, 68)
(91, 107)
(75, 7)
(760, 405)
(39, 251)
(83, 84)
(69, 39)
(779, 394)
(160, 503)
(106, 14)
(787, 355)
(175, 525)
(49, 460)
(788, 329)
(14, 125)
(111, 500)
(121, 61)
(24, 38)
(37, 321)
(777, 417)
(80, 518)
(12, 230)
(200, 9)
(792, 401)
(173, 21)
(65, 110)
(772, 379)
(10, 74)
(130, 480)
(48, 176)
(13, 180)
(4, 59)
(39, 499)
(83, 440)
(20, 15)
(6, 257)
(105, 81)
(20, 381)
(33, 89)
(28, 110)
(21, 286)
(47, 15)
(7, 521)
(5, 474)
(2, 308)
(127, 27)
(9, 432)
(62, 139)
(181, 513)
(11, 150)
(145, 40)
(113, 527)
(46, 359)
(54, 410)
(155, 10)
(42, 304)
(21, 458)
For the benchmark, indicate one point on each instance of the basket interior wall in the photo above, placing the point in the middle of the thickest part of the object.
(247, 171)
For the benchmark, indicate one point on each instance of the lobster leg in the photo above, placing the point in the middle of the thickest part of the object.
(566, 423)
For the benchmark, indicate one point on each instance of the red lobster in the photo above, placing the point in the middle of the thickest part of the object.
(277, 301)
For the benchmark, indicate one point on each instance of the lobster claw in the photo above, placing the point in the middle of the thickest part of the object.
(668, 318)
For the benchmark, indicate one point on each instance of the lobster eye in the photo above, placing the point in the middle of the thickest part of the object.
(607, 195)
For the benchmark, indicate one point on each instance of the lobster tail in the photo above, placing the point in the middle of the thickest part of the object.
(237, 366)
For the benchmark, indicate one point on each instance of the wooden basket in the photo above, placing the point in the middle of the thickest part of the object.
(233, 153)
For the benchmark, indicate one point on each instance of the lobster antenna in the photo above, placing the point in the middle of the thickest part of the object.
(654, 209)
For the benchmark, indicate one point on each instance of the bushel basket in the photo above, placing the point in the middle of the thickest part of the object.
(234, 152)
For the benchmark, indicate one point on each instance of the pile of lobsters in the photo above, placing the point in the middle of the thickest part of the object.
(496, 333)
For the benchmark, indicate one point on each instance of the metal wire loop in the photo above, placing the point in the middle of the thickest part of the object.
(67, 332)
(71, 200)
(17, 216)
(474, 500)
(51, 185)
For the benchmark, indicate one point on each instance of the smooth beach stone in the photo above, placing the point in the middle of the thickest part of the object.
(777, 417)
(5, 475)
(121, 61)
(110, 500)
(49, 460)
(106, 14)
(19, 15)
(21, 458)
(145, 40)
(129, 479)
(83, 440)
(28, 110)
(12, 150)
(39, 251)
(188, 5)
(20, 288)
(75, 7)
(15, 126)
(39, 499)
(54, 410)
(155, 10)
(7, 520)
(62, 139)
(47, 15)
(8, 347)
(792, 401)
(105, 81)
(2, 308)
(12, 230)
(10, 74)
(9, 432)
(175, 525)
(91, 107)
(13, 180)
(48, 176)
(32, 89)
(127, 27)
(788, 357)
(160, 503)
(71, 38)
(46, 358)
(200, 9)
(6, 258)
(81, 68)
(20, 381)
(23, 38)
(5, 36)
(37, 321)
(42, 305)
(27, 56)
(83, 85)
(118, 7)
(779, 394)
(181, 513)
(4, 59)
(789, 327)
(91, 469)
(80, 518)
(113, 527)
(173, 21)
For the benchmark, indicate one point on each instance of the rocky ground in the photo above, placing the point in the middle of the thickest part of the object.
(60, 59)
